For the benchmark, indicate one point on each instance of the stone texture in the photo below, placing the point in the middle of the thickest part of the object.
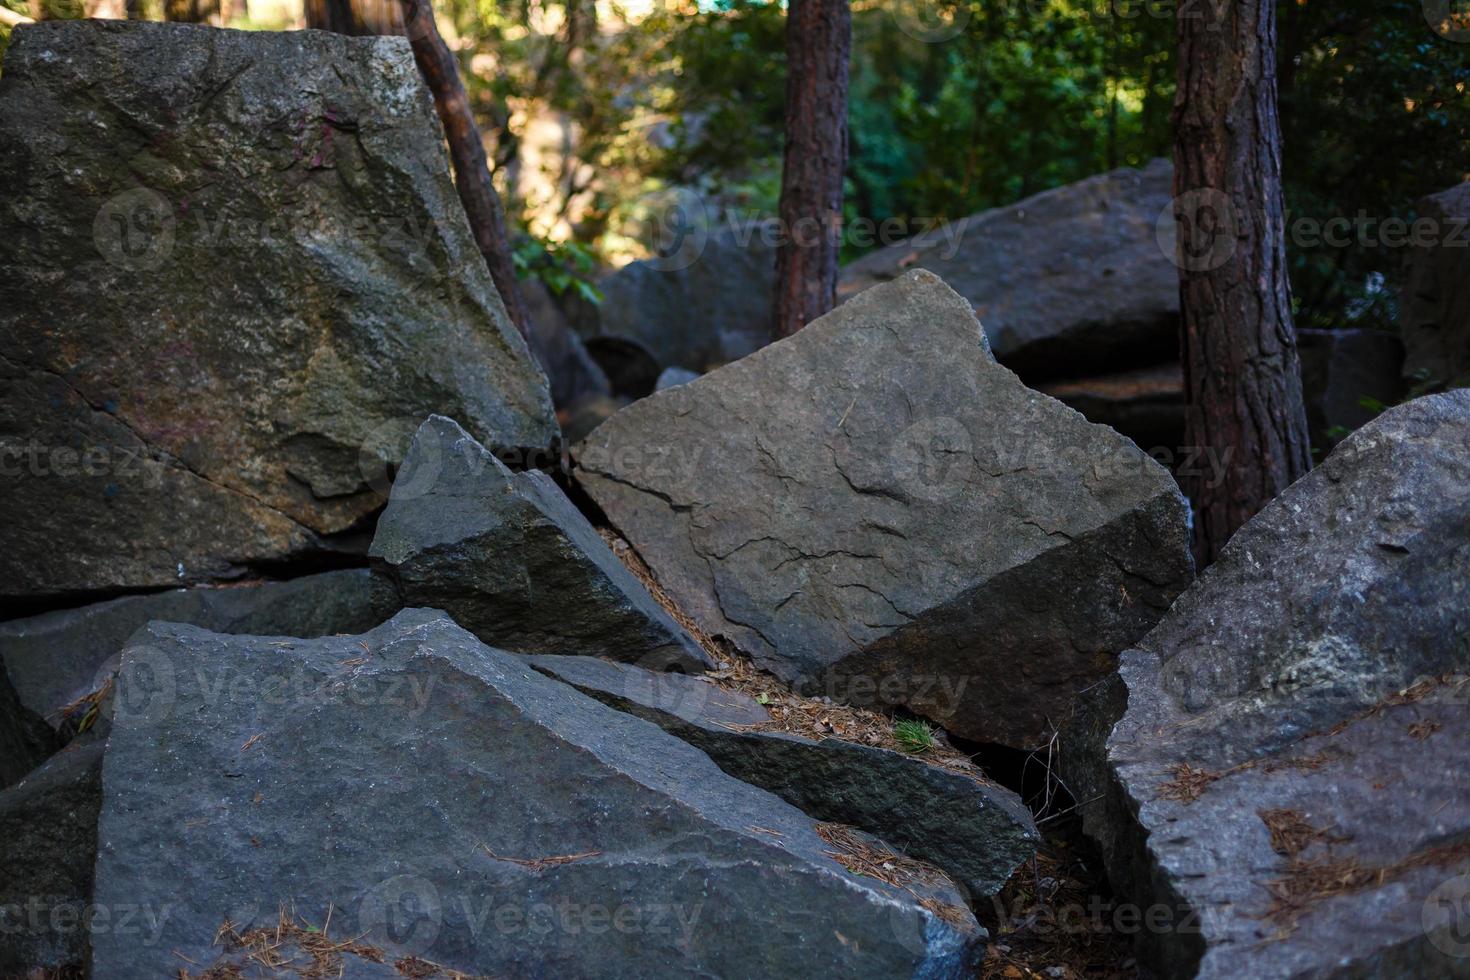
(1278, 681)
(573, 375)
(235, 265)
(48, 844)
(454, 804)
(1145, 404)
(1341, 371)
(875, 510)
(57, 657)
(674, 376)
(1434, 318)
(510, 558)
(25, 738)
(704, 305)
(973, 830)
(1072, 280)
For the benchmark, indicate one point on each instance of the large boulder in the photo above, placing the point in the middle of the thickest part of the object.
(25, 738)
(1434, 318)
(1072, 280)
(509, 557)
(48, 845)
(1348, 376)
(57, 658)
(235, 264)
(437, 798)
(1278, 775)
(573, 375)
(705, 303)
(975, 831)
(875, 510)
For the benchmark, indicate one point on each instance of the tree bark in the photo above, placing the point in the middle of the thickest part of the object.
(818, 43)
(355, 17)
(467, 153)
(1244, 407)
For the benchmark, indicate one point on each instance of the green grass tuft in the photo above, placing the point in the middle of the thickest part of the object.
(914, 736)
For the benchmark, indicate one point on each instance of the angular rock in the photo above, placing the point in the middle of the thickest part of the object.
(25, 738)
(1145, 404)
(444, 800)
(510, 558)
(705, 305)
(571, 372)
(1434, 318)
(1281, 768)
(875, 510)
(674, 376)
(58, 657)
(235, 266)
(588, 415)
(1076, 279)
(48, 845)
(1347, 376)
(973, 830)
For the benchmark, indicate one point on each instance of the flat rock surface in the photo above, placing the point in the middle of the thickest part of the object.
(975, 831)
(1282, 759)
(456, 805)
(875, 510)
(48, 844)
(510, 558)
(1078, 277)
(237, 277)
(58, 657)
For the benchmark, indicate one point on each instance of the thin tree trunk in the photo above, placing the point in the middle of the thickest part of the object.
(1242, 375)
(818, 42)
(467, 152)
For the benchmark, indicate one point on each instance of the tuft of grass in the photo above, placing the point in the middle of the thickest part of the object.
(914, 736)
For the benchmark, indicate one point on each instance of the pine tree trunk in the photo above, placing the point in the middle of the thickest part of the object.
(818, 43)
(467, 153)
(355, 17)
(1241, 372)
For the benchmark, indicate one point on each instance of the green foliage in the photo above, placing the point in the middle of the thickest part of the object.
(914, 736)
(1375, 111)
(560, 266)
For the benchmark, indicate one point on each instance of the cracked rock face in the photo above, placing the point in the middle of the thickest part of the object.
(875, 510)
(509, 557)
(975, 831)
(237, 278)
(1072, 281)
(457, 806)
(1280, 768)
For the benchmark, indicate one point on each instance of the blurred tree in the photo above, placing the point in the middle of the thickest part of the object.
(356, 17)
(1242, 379)
(818, 45)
